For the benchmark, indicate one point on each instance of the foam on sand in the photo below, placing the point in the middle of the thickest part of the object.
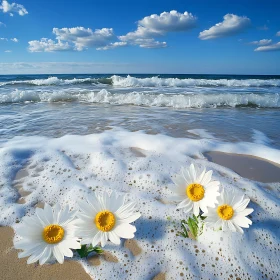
(68, 168)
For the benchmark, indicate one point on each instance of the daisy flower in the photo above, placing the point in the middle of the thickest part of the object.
(50, 232)
(195, 190)
(230, 213)
(104, 217)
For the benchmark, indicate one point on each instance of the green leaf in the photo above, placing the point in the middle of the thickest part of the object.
(85, 251)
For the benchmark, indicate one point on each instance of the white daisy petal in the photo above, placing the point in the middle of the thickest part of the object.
(242, 205)
(42, 235)
(110, 222)
(200, 177)
(48, 213)
(131, 218)
(196, 190)
(245, 212)
(104, 239)
(58, 254)
(242, 221)
(42, 217)
(114, 238)
(192, 173)
(179, 181)
(96, 238)
(184, 203)
(231, 212)
(125, 231)
(185, 176)
(196, 209)
(46, 256)
(207, 178)
(65, 250)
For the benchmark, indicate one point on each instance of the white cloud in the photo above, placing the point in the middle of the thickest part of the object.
(278, 33)
(14, 40)
(150, 44)
(113, 46)
(8, 51)
(2, 24)
(231, 25)
(3, 39)
(48, 45)
(85, 38)
(81, 38)
(13, 8)
(76, 38)
(158, 25)
(274, 47)
(169, 22)
(262, 42)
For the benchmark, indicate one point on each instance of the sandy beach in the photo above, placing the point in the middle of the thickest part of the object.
(14, 268)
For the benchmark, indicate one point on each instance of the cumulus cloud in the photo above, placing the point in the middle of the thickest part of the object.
(76, 38)
(113, 46)
(3, 39)
(231, 25)
(150, 43)
(274, 47)
(13, 8)
(48, 45)
(14, 40)
(8, 51)
(159, 25)
(81, 38)
(278, 33)
(84, 38)
(262, 42)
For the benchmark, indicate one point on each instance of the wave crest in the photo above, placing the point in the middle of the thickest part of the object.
(129, 81)
(145, 99)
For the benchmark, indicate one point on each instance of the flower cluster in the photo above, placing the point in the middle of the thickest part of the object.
(222, 209)
(53, 232)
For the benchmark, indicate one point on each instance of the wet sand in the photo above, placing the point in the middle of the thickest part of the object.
(13, 268)
(250, 167)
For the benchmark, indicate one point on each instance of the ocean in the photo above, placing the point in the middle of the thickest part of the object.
(232, 107)
(65, 136)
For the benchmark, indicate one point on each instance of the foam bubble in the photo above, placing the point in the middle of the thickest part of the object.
(69, 168)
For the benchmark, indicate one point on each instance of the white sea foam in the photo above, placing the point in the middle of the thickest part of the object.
(130, 81)
(200, 100)
(68, 168)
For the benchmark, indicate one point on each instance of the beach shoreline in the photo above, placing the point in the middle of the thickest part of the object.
(14, 268)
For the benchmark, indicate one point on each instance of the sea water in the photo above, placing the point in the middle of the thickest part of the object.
(70, 135)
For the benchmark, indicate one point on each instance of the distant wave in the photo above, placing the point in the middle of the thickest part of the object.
(145, 99)
(54, 81)
(155, 81)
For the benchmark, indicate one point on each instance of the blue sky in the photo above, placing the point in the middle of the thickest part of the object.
(223, 37)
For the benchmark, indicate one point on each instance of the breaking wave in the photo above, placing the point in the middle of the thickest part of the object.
(209, 100)
(129, 81)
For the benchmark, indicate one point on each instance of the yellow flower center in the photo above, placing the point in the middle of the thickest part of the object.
(195, 192)
(225, 212)
(105, 220)
(53, 234)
